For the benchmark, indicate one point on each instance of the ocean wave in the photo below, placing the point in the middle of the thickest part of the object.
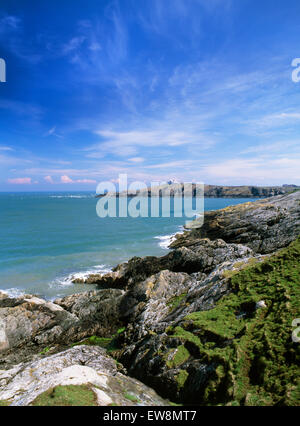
(71, 196)
(166, 240)
(68, 280)
(13, 292)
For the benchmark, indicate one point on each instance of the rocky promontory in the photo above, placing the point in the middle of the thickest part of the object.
(211, 191)
(265, 225)
(210, 323)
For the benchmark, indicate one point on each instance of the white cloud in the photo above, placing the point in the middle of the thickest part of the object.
(129, 143)
(9, 23)
(276, 119)
(275, 147)
(52, 132)
(137, 159)
(5, 148)
(255, 170)
(66, 179)
(73, 44)
(21, 108)
(20, 181)
(48, 179)
(86, 181)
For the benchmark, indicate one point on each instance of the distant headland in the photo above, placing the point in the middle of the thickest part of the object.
(217, 191)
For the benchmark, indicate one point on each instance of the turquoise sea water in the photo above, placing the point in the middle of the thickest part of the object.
(46, 238)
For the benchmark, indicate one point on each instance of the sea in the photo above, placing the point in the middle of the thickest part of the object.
(47, 239)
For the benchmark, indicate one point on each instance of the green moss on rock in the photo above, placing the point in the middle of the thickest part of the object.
(251, 342)
(45, 350)
(175, 301)
(131, 397)
(181, 378)
(109, 343)
(177, 357)
(103, 342)
(66, 396)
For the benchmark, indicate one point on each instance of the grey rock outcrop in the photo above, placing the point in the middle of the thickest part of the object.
(212, 191)
(264, 226)
(81, 365)
(201, 256)
(28, 324)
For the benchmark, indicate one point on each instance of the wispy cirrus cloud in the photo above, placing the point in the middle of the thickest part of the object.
(12, 32)
(136, 159)
(125, 144)
(86, 181)
(9, 23)
(162, 17)
(274, 147)
(22, 109)
(67, 179)
(20, 181)
(53, 132)
(256, 170)
(276, 120)
(5, 148)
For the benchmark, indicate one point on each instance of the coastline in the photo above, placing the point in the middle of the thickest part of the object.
(209, 191)
(168, 320)
(61, 235)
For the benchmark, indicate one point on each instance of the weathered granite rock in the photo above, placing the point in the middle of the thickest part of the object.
(161, 302)
(97, 310)
(246, 191)
(227, 340)
(81, 365)
(264, 226)
(165, 298)
(203, 256)
(28, 324)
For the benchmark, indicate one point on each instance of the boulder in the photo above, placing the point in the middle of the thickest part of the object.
(83, 375)
(265, 225)
(28, 324)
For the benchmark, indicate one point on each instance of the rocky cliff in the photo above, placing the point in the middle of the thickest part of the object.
(265, 225)
(215, 191)
(209, 323)
(247, 191)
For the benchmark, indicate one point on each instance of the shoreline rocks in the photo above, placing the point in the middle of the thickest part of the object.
(29, 324)
(81, 365)
(177, 322)
(264, 226)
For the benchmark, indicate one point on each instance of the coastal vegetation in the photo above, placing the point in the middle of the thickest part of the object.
(66, 396)
(258, 363)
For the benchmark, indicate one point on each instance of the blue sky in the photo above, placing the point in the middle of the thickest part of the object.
(197, 90)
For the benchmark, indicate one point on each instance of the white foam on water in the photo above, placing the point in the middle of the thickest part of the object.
(71, 196)
(167, 240)
(68, 280)
(13, 292)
